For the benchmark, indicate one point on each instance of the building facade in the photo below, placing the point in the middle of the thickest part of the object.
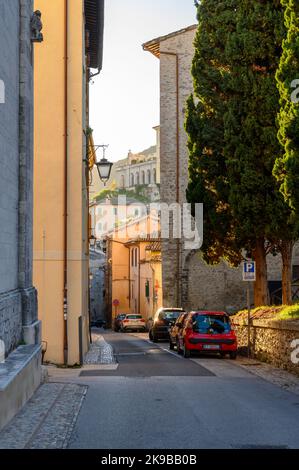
(141, 170)
(73, 46)
(197, 285)
(19, 325)
(133, 269)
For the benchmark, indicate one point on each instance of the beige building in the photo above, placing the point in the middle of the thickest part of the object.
(197, 285)
(133, 273)
(73, 32)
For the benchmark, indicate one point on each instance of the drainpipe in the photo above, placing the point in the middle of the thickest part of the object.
(178, 250)
(66, 151)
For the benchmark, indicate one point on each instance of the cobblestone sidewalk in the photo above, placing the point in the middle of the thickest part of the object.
(47, 420)
(100, 351)
(279, 377)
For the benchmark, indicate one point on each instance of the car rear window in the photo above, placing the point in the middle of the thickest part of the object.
(169, 314)
(215, 324)
(134, 317)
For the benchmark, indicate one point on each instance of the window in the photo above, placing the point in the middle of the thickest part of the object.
(143, 177)
(136, 212)
(215, 324)
(137, 179)
(154, 175)
(132, 180)
(149, 177)
(295, 272)
(122, 181)
(115, 210)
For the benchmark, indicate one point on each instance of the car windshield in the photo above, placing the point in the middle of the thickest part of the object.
(211, 324)
(169, 314)
(134, 317)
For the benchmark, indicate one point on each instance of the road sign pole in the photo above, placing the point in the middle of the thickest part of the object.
(248, 319)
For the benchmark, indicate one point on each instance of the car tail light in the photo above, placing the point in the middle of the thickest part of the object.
(126, 321)
(143, 321)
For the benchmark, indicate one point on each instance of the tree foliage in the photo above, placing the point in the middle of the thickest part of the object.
(287, 164)
(205, 127)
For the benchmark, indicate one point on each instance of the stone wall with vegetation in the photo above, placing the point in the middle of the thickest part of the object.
(270, 340)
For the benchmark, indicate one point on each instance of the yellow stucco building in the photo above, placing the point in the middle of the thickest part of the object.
(73, 35)
(134, 269)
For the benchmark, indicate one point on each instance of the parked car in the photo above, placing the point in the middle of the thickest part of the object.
(208, 332)
(98, 324)
(164, 319)
(133, 322)
(175, 330)
(117, 321)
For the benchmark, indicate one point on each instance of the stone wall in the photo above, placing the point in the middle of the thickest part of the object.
(270, 341)
(18, 299)
(9, 145)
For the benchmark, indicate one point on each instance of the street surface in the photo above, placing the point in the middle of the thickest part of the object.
(134, 394)
(157, 399)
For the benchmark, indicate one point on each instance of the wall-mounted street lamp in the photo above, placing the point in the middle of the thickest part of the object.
(103, 165)
(92, 241)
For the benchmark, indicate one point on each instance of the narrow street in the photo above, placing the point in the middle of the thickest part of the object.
(157, 399)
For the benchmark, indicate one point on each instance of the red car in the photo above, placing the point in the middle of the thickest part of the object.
(208, 332)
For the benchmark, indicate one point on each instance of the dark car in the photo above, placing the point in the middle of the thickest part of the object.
(207, 332)
(175, 331)
(164, 319)
(98, 324)
(117, 321)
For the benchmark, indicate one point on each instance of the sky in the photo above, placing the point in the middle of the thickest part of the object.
(124, 99)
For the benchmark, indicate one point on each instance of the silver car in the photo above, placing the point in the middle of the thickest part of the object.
(134, 322)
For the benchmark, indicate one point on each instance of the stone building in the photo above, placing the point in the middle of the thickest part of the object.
(187, 280)
(19, 325)
(141, 170)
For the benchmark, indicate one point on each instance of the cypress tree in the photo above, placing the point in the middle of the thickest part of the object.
(287, 164)
(205, 127)
(250, 130)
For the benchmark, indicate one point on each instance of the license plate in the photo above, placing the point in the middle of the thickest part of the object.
(211, 346)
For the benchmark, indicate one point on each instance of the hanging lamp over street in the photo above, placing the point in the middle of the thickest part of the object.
(104, 166)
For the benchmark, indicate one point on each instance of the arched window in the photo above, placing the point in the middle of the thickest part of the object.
(143, 177)
(137, 179)
(149, 179)
(132, 180)
(155, 175)
(122, 181)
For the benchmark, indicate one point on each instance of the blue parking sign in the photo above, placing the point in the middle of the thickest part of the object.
(249, 271)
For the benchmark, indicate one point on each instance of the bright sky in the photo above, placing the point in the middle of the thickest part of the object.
(125, 97)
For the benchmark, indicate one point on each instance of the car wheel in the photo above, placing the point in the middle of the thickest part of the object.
(171, 345)
(187, 352)
(222, 355)
(154, 339)
(233, 355)
(179, 351)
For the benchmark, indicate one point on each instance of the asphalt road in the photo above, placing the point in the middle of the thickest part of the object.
(157, 399)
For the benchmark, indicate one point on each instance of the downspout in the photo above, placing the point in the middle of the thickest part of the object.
(66, 151)
(178, 251)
